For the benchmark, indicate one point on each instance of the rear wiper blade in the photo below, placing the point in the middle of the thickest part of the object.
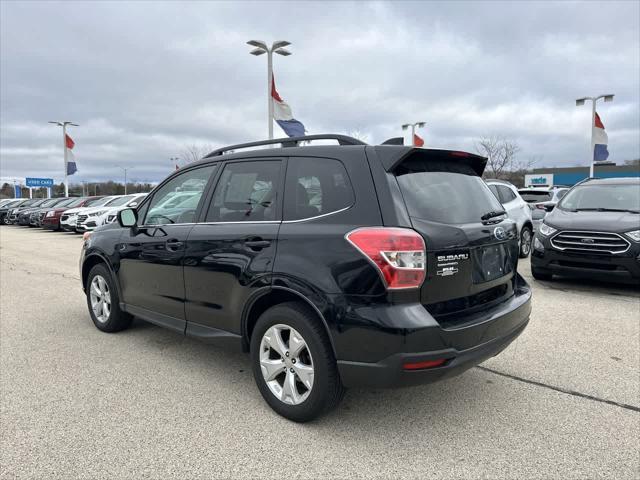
(493, 213)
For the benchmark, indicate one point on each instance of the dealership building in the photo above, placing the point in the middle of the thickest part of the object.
(546, 177)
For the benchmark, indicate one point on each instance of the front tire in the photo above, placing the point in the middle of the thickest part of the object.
(293, 363)
(526, 240)
(103, 301)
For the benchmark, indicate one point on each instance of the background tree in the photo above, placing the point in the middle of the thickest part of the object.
(194, 152)
(503, 162)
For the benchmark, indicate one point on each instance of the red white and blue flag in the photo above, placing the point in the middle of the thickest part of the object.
(600, 141)
(283, 116)
(71, 159)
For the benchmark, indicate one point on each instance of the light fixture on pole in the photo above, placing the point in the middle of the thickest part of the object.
(413, 130)
(175, 161)
(580, 102)
(261, 48)
(125, 176)
(64, 146)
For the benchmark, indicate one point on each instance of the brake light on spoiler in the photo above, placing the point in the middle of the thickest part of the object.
(398, 254)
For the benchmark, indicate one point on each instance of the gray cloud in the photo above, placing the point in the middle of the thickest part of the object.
(144, 79)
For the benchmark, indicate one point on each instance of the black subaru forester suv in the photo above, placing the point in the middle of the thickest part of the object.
(333, 265)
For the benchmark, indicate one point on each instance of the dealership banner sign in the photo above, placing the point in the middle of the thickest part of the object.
(538, 180)
(39, 182)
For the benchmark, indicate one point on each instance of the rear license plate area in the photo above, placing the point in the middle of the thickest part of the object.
(492, 262)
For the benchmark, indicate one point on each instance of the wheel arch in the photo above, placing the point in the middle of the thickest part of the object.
(274, 296)
(91, 261)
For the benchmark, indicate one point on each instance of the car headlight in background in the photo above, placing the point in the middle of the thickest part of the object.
(546, 230)
(634, 235)
(98, 213)
(50, 214)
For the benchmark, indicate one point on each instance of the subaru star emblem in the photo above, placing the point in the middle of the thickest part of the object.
(499, 233)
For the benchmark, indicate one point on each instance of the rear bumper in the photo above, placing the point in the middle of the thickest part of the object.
(462, 348)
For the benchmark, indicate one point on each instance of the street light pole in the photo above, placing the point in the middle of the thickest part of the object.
(262, 48)
(125, 176)
(579, 102)
(175, 160)
(413, 130)
(64, 146)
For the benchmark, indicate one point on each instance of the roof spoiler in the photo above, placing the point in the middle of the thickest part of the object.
(392, 156)
(394, 141)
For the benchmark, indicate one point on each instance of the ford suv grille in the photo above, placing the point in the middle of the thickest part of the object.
(592, 242)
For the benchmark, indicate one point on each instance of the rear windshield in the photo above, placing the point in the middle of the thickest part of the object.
(444, 192)
(533, 196)
(602, 197)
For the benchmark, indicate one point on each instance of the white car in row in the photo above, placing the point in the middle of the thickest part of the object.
(517, 209)
(111, 213)
(95, 217)
(69, 218)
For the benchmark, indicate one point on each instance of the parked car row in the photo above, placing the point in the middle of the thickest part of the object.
(77, 214)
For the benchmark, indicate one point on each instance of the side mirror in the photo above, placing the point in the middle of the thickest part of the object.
(549, 207)
(127, 217)
(133, 204)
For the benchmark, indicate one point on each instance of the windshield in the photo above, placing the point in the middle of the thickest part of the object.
(121, 201)
(100, 202)
(63, 203)
(49, 203)
(75, 202)
(445, 193)
(532, 196)
(602, 197)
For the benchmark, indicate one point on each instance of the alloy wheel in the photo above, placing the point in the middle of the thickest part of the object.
(100, 298)
(286, 364)
(526, 242)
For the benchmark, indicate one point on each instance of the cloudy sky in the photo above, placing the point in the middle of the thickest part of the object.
(145, 79)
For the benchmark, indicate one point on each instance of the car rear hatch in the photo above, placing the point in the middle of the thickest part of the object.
(471, 255)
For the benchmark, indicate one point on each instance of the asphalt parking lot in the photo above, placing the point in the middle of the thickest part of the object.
(562, 402)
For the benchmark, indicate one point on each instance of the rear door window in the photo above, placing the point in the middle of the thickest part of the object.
(444, 192)
(506, 195)
(316, 186)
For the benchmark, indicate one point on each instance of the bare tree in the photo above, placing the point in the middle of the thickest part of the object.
(501, 155)
(358, 134)
(194, 152)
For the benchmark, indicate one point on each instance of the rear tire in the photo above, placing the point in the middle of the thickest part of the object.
(293, 363)
(526, 240)
(541, 274)
(103, 301)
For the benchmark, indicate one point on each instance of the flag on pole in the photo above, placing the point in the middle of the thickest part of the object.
(71, 159)
(282, 114)
(600, 141)
(417, 140)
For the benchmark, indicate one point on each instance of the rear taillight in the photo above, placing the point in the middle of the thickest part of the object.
(398, 254)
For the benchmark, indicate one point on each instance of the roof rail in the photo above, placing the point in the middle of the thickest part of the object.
(289, 142)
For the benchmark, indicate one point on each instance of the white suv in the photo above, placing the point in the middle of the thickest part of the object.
(517, 209)
(111, 212)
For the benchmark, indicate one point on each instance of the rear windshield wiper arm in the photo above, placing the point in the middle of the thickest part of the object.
(493, 213)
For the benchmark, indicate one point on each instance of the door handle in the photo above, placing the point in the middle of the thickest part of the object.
(257, 244)
(173, 244)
